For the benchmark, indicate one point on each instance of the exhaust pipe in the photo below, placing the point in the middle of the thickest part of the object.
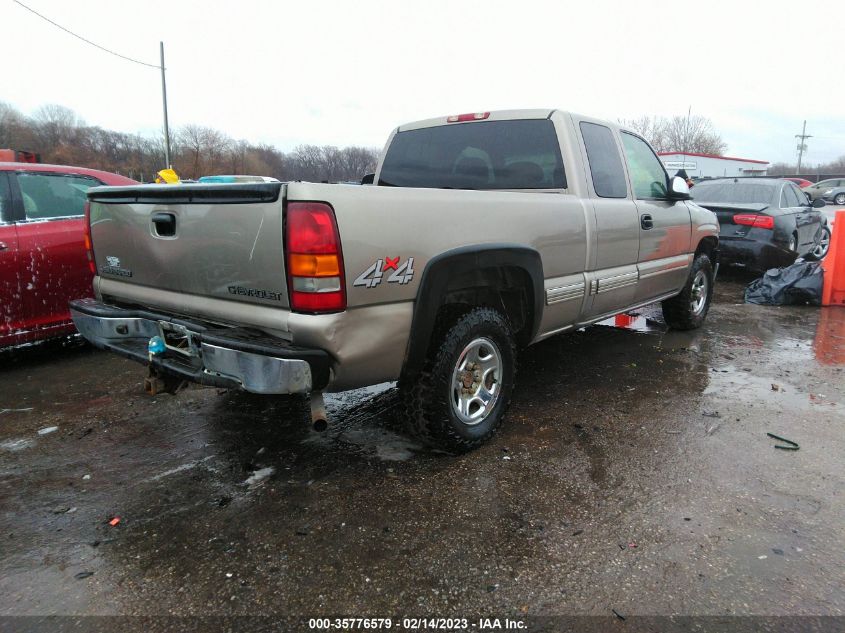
(319, 419)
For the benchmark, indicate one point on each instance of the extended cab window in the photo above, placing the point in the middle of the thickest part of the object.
(522, 154)
(53, 195)
(605, 162)
(648, 177)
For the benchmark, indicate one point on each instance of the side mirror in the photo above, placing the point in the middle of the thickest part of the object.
(818, 203)
(678, 189)
(368, 179)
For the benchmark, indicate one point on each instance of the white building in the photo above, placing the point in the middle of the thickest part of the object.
(711, 166)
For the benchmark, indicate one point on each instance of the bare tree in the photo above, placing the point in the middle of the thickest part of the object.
(61, 136)
(55, 126)
(678, 134)
(651, 128)
(693, 134)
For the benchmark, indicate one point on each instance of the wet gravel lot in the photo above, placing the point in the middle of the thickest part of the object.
(633, 473)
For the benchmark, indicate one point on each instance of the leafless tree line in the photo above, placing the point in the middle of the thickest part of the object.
(823, 170)
(60, 136)
(678, 133)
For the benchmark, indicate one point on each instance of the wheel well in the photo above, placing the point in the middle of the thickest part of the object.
(506, 288)
(708, 246)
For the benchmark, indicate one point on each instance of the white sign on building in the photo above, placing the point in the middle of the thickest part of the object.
(680, 164)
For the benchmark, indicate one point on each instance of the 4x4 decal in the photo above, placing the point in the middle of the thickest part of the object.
(372, 277)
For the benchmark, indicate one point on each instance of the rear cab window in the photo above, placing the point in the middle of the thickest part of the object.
(47, 196)
(605, 163)
(484, 155)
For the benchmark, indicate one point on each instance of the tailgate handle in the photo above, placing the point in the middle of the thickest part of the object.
(165, 224)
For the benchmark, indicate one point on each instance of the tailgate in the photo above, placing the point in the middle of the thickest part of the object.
(213, 240)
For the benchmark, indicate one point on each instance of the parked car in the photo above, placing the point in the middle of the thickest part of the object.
(43, 258)
(482, 234)
(825, 188)
(764, 222)
(800, 182)
(834, 195)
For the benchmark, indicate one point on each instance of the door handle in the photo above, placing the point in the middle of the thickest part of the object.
(646, 222)
(165, 224)
(3, 246)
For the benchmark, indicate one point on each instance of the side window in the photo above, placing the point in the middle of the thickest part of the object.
(648, 176)
(791, 198)
(605, 162)
(803, 200)
(5, 199)
(53, 195)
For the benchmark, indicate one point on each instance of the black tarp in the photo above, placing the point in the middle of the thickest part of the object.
(799, 284)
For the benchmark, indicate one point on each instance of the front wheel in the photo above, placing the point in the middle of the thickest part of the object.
(460, 398)
(687, 310)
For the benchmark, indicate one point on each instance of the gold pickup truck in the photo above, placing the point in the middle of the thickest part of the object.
(478, 235)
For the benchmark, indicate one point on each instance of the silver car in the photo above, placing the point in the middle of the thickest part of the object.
(831, 190)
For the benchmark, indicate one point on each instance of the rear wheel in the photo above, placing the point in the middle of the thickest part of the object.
(820, 251)
(839, 198)
(687, 310)
(460, 398)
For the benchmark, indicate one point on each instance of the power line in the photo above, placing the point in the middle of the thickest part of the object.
(87, 41)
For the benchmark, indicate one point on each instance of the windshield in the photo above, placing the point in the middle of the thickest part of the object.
(730, 191)
(522, 154)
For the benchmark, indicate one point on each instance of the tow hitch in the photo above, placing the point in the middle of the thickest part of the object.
(157, 383)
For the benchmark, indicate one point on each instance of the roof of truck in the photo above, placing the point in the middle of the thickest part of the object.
(497, 115)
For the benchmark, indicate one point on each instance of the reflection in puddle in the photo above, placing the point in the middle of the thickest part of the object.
(829, 343)
(635, 322)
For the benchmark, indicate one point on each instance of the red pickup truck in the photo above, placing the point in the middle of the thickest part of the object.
(43, 260)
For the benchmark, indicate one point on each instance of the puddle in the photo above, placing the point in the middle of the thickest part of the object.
(635, 322)
(259, 475)
(387, 445)
(15, 445)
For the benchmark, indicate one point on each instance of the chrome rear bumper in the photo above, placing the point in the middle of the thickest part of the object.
(228, 357)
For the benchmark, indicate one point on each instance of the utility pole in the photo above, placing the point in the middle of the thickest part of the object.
(801, 146)
(164, 101)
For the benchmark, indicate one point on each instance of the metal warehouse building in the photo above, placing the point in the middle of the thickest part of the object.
(711, 166)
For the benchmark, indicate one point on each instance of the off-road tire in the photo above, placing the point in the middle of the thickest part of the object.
(427, 399)
(678, 311)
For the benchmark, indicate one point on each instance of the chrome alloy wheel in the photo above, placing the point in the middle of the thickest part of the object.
(475, 381)
(698, 296)
(824, 244)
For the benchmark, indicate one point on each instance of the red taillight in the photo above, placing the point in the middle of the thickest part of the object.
(472, 116)
(89, 246)
(314, 259)
(755, 221)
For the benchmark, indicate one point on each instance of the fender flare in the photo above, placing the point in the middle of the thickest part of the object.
(435, 280)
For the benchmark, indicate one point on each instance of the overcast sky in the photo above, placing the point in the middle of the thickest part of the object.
(346, 73)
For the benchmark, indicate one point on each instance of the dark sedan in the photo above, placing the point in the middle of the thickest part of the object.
(765, 222)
